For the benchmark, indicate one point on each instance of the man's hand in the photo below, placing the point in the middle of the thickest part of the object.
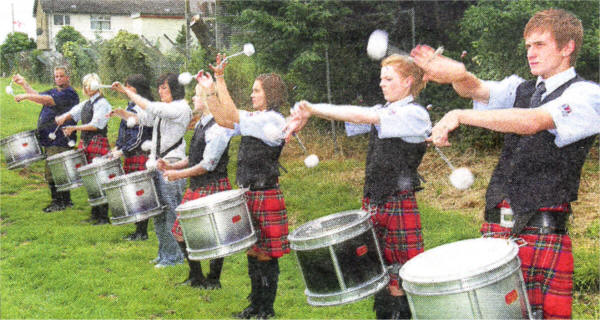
(20, 97)
(18, 79)
(437, 67)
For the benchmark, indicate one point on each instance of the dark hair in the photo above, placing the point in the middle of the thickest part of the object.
(141, 85)
(177, 90)
(275, 90)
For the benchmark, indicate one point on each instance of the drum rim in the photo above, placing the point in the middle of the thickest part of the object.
(130, 177)
(294, 237)
(99, 165)
(65, 154)
(18, 135)
(455, 276)
(192, 204)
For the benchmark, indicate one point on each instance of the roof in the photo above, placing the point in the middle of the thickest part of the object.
(120, 7)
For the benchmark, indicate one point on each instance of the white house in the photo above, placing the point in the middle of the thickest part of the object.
(152, 19)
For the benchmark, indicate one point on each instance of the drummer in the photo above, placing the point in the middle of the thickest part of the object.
(550, 124)
(169, 119)
(55, 101)
(94, 128)
(130, 139)
(397, 132)
(206, 167)
(258, 170)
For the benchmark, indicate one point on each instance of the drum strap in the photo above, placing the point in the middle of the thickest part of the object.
(171, 148)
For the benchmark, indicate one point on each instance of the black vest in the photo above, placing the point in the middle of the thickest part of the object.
(532, 171)
(258, 165)
(391, 166)
(197, 146)
(87, 113)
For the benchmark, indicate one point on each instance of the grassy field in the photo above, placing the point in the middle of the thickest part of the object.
(57, 266)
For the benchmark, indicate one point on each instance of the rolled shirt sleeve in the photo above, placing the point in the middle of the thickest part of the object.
(502, 94)
(576, 113)
(217, 138)
(76, 111)
(101, 109)
(264, 125)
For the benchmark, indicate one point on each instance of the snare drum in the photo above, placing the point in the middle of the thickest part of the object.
(63, 167)
(469, 279)
(217, 225)
(132, 197)
(95, 174)
(21, 149)
(340, 259)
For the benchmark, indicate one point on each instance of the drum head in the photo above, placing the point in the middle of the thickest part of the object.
(129, 178)
(212, 199)
(459, 260)
(64, 154)
(102, 163)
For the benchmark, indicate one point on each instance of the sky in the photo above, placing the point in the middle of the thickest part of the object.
(24, 20)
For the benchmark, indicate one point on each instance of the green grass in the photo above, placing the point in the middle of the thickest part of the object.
(57, 266)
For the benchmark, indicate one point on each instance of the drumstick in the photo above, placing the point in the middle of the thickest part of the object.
(300, 143)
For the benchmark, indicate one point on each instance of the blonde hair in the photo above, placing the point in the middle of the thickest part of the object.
(89, 79)
(406, 67)
(563, 25)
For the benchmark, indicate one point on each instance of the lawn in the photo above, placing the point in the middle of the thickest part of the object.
(57, 266)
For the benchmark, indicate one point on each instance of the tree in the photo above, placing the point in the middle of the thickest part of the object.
(14, 43)
(66, 34)
(124, 55)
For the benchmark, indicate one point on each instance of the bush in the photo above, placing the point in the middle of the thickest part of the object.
(124, 55)
(80, 60)
(68, 34)
(14, 44)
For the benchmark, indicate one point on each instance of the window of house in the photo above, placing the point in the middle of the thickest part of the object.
(62, 20)
(100, 22)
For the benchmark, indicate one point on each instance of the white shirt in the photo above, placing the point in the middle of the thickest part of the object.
(101, 109)
(175, 117)
(216, 139)
(401, 119)
(264, 125)
(576, 113)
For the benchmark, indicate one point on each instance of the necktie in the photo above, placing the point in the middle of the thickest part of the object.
(536, 98)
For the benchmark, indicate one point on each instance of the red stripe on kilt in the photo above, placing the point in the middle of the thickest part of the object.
(97, 147)
(547, 266)
(397, 224)
(269, 217)
(213, 187)
(135, 163)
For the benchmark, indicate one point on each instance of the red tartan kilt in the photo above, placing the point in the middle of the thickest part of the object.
(97, 147)
(135, 163)
(397, 224)
(218, 186)
(547, 266)
(269, 217)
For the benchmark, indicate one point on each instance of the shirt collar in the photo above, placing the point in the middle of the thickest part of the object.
(408, 99)
(94, 97)
(205, 119)
(557, 80)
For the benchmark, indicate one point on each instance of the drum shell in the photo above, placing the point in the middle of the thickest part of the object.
(95, 174)
(21, 149)
(218, 229)
(63, 167)
(493, 293)
(340, 258)
(132, 197)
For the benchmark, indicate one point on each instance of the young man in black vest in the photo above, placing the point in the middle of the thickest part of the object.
(55, 102)
(396, 147)
(94, 128)
(206, 168)
(550, 125)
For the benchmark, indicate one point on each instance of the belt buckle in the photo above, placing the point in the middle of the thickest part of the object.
(507, 218)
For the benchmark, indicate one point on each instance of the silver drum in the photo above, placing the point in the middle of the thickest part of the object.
(340, 258)
(217, 225)
(21, 149)
(63, 167)
(469, 279)
(132, 197)
(95, 174)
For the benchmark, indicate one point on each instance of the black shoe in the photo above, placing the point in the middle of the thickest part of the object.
(54, 206)
(143, 237)
(248, 313)
(131, 237)
(265, 314)
(101, 222)
(212, 284)
(68, 204)
(192, 282)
